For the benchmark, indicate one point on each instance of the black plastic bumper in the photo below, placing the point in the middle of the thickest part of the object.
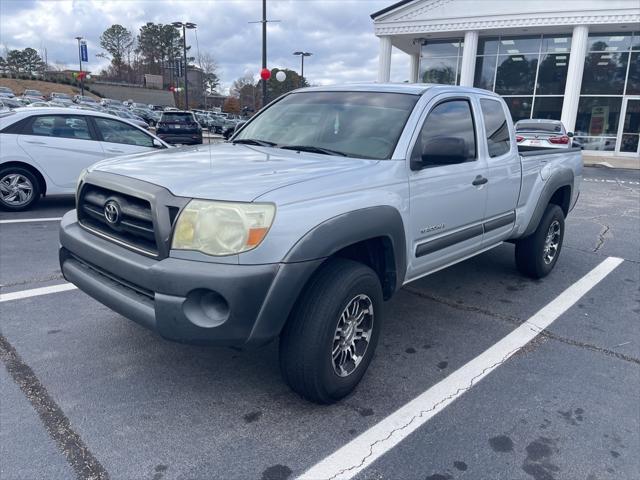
(185, 301)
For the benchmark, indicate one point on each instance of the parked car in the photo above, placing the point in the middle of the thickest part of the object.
(33, 96)
(542, 133)
(11, 102)
(61, 97)
(110, 102)
(231, 130)
(85, 100)
(6, 92)
(323, 206)
(179, 128)
(43, 150)
(217, 123)
(126, 114)
(148, 116)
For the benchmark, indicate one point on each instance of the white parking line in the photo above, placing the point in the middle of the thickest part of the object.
(361, 452)
(34, 292)
(27, 220)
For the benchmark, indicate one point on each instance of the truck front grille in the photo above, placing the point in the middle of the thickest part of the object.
(123, 218)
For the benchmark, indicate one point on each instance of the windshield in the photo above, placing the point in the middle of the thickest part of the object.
(353, 124)
(538, 127)
(33, 92)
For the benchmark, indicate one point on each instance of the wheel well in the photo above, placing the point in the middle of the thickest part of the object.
(377, 253)
(41, 181)
(562, 198)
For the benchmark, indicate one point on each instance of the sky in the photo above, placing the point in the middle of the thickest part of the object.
(339, 33)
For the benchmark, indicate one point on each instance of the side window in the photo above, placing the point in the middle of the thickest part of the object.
(495, 123)
(61, 126)
(447, 136)
(114, 131)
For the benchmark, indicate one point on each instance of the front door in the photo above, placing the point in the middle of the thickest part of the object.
(448, 188)
(629, 132)
(62, 145)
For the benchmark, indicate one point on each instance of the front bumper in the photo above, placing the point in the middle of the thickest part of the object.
(183, 300)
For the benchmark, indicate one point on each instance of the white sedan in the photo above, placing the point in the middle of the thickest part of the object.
(43, 150)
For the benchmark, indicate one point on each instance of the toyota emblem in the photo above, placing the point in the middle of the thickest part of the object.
(112, 212)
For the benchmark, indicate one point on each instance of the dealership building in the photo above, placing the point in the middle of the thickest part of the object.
(576, 61)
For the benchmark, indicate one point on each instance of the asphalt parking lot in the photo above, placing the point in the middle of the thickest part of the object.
(89, 394)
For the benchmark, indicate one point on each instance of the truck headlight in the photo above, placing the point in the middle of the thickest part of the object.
(222, 228)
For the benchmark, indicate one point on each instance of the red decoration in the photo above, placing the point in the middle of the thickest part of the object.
(265, 74)
(81, 75)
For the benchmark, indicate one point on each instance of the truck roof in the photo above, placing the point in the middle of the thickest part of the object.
(409, 88)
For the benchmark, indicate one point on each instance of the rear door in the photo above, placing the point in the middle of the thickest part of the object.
(447, 193)
(120, 138)
(503, 171)
(62, 145)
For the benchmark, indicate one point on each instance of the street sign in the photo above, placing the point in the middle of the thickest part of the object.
(84, 55)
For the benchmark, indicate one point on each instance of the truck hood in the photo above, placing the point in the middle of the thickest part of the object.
(227, 171)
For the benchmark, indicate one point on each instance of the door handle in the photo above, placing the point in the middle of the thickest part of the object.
(34, 142)
(479, 180)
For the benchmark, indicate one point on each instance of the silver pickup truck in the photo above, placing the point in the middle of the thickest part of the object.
(319, 209)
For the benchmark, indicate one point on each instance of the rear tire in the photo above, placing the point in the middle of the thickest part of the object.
(19, 189)
(537, 254)
(331, 335)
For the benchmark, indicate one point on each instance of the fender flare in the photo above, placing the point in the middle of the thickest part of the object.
(561, 178)
(349, 228)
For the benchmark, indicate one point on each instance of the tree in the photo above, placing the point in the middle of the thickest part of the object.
(117, 41)
(276, 89)
(14, 61)
(210, 79)
(240, 83)
(231, 105)
(31, 61)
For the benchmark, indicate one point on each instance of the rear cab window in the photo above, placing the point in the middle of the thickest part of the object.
(173, 117)
(496, 127)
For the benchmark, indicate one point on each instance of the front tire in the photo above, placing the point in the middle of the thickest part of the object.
(537, 254)
(331, 335)
(19, 189)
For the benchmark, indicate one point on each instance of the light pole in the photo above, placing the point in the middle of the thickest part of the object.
(302, 55)
(184, 26)
(79, 39)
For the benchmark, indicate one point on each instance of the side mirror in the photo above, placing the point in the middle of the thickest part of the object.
(570, 134)
(439, 151)
(157, 143)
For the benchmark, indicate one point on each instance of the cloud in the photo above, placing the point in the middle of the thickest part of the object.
(339, 33)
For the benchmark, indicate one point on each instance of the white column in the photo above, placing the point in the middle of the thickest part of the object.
(384, 66)
(468, 67)
(574, 76)
(414, 68)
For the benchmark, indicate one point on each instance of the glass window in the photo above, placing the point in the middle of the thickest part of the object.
(61, 126)
(598, 116)
(633, 82)
(635, 44)
(513, 45)
(356, 124)
(609, 42)
(439, 70)
(520, 107)
(604, 73)
(496, 126)
(516, 74)
(182, 118)
(552, 74)
(114, 131)
(548, 107)
(488, 46)
(448, 135)
(556, 44)
(441, 48)
(485, 71)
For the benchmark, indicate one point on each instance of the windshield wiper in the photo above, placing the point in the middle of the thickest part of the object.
(313, 149)
(253, 141)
